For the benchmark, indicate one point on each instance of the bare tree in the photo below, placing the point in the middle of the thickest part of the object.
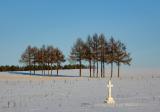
(89, 52)
(34, 52)
(102, 46)
(52, 56)
(41, 58)
(48, 57)
(26, 57)
(95, 44)
(112, 47)
(122, 56)
(59, 57)
(77, 53)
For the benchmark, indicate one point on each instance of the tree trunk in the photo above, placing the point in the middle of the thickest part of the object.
(34, 68)
(97, 68)
(30, 68)
(80, 67)
(48, 68)
(111, 69)
(44, 69)
(101, 68)
(94, 68)
(118, 69)
(90, 67)
(34, 65)
(57, 69)
(29, 63)
(51, 69)
(103, 61)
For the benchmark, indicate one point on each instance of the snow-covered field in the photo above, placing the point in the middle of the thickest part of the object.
(133, 92)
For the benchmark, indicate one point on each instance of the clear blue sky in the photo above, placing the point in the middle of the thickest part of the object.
(60, 22)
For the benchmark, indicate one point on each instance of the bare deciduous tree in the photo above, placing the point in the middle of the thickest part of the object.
(77, 53)
(122, 56)
(59, 57)
(26, 57)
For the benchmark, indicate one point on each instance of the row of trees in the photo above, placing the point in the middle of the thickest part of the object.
(10, 68)
(96, 49)
(44, 56)
(37, 67)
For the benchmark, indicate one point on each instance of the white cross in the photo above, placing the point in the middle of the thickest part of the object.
(109, 100)
(110, 89)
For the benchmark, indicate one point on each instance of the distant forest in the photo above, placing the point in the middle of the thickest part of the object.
(27, 68)
(96, 50)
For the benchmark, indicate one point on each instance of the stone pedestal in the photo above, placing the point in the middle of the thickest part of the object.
(110, 100)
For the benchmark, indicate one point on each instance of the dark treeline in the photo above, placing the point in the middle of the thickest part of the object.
(98, 50)
(27, 68)
(11, 68)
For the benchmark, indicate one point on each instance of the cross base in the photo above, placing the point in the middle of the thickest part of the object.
(109, 100)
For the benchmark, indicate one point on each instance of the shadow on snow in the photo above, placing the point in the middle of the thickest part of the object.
(32, 74)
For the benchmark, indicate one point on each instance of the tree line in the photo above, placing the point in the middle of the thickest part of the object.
(44, 56)
(95, 50)
(28, 68)
(98, 50)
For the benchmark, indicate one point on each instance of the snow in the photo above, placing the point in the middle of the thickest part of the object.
(132, 93)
